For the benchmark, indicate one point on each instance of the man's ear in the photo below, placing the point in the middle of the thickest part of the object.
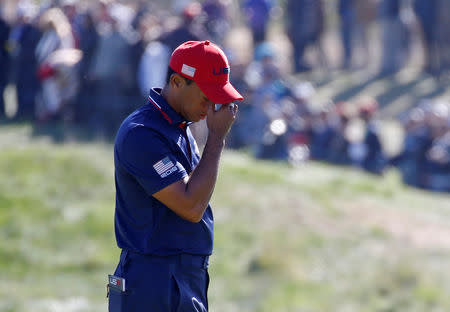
(177, 81)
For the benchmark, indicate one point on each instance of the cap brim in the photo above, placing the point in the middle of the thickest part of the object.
(220, 94)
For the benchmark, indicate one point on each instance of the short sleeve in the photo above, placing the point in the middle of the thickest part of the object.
(147, 156)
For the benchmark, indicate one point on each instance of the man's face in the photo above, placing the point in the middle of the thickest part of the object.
(193, 102)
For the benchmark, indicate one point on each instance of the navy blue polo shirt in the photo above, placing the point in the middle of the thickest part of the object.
(154, 148)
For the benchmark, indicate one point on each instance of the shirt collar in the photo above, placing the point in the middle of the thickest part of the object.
(159, 102)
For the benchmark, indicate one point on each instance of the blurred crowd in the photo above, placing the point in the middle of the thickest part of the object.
(91, 63)
(281, 121)
(425, 159)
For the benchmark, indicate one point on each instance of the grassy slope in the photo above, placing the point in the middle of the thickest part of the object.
(314, 238)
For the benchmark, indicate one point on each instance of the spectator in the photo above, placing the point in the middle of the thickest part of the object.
(269, 88)
(339, 144)
(305, 25)
(297, 112)
(111, 75)
(188, 30)
(252, 130)
(416, 142)
(23, 41)
(393, 37)
(137, 39)
(57, 35)
(102, 15)
(322, 133)
(153, 65)
(427, 14)
(373, 159)
(152, 68)
(236, 137)
(443, 40)
(155, 59)
(70, 10)
(438, 164)
(257, 15)
(142, 10)
(88, 44)
(437, 157)
(347, 14)
(4, 62)
(365, 17)
(217, 19)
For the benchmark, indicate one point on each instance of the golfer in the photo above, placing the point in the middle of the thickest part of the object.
(163, 220)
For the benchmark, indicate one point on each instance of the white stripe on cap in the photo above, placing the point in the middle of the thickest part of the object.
(188, 70)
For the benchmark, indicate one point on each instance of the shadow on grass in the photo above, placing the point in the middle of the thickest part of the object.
(394, 89)
(346, 94)
(398, 90)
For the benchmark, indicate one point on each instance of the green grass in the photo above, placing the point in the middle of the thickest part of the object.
(312, 238)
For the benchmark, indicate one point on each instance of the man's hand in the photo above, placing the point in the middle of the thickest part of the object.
(219, 122)
(189, 197)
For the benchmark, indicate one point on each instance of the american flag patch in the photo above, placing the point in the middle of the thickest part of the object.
(164, 167)
(188, 70)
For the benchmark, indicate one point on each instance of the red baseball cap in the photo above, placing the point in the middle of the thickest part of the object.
(207, 65)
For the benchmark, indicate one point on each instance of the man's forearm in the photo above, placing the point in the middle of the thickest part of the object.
(203, 179)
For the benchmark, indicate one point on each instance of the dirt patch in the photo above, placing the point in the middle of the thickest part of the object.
(420, 231)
